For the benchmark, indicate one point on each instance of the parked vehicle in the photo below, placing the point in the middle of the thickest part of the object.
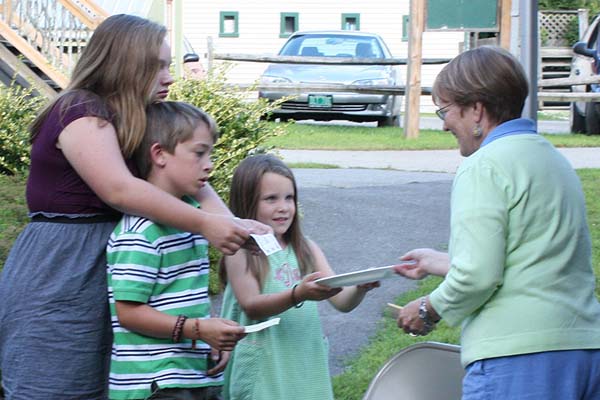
(326, 106)
(585, 116)
(191, 62)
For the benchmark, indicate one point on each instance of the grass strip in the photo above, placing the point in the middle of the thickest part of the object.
(389, 340)
(336, 137)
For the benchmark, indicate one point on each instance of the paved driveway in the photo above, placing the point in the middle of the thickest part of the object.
(368, 218)
(417, 160)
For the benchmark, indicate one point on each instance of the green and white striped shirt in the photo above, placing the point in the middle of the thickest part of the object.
(168, 270)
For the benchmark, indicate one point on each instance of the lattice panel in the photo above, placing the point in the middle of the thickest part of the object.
(554, 25)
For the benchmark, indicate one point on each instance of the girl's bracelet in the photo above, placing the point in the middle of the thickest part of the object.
(294, 302)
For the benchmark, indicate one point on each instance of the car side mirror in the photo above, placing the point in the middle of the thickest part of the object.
(191, 57)
(582, 49)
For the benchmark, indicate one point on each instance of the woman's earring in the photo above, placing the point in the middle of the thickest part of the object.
(477, 131)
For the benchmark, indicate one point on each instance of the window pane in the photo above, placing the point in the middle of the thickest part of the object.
(350, 24)
(290, 24)
(229, 24)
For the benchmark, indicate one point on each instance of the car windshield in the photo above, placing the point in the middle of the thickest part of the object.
(333, 46)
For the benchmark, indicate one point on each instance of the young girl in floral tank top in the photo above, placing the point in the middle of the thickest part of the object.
(288, 360)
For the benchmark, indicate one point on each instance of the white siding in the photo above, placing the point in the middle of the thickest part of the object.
(259, 26)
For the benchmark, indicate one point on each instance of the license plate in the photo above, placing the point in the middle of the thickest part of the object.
(317, 101)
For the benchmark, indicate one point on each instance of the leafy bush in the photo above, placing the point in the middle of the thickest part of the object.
(243, 130)
(18, 107)
(240, 117)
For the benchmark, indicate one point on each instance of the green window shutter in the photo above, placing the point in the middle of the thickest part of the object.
(405, 22)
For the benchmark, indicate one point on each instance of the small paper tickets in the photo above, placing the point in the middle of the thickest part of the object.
(262, 325)
(267, 243)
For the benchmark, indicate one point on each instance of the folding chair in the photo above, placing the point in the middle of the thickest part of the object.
(422, 371)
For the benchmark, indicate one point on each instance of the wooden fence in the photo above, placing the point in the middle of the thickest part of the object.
(389, 89)
(397, 90)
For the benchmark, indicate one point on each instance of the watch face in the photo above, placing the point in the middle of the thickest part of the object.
(423, 314)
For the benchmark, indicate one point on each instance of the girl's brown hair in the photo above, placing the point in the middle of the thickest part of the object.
(243, 202)
(119, 66)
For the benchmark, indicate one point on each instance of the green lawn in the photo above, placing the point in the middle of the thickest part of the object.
(352, 384)
(13, 212)
(388, 340)
(332, 137)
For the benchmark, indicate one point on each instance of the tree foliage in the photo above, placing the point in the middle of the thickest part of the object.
(18, 108)
(239, 115)
(592, 5)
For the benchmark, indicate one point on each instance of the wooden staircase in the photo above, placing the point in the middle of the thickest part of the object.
(40, 40)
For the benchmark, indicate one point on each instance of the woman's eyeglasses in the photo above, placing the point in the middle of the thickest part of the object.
(441, 112)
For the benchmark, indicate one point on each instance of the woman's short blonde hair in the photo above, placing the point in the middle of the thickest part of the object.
(490, 75)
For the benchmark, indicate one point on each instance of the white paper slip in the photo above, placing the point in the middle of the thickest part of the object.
(267, 243)
(262, 325)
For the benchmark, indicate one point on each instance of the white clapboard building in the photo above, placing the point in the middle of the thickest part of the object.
(261, 27)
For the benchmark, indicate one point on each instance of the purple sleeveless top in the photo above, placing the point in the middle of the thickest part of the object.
(53, 185)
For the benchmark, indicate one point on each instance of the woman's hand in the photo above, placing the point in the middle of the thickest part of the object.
(409, 321)
(309, 290)
(254, 227)
(427, 262)
(229, 234)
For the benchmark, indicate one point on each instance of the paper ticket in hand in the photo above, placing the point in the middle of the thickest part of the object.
(267, 243)
(262, 325)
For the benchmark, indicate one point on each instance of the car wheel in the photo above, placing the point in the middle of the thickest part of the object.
(592, 118)
(389, 121)
(577, 120)
(267, 117)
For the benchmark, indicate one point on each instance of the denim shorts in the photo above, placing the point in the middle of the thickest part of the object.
(552, 375)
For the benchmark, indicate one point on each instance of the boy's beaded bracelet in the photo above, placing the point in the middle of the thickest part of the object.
(294, 302)
(178, 328)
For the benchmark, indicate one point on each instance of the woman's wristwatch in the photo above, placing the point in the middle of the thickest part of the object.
(428, 321)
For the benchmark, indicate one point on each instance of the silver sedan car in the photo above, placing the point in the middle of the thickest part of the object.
(326, 106)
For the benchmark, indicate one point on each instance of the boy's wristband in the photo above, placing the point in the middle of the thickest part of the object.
(196, 328)
(178, 328)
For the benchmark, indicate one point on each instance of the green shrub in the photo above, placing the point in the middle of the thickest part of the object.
(18, 107)
(243, 131)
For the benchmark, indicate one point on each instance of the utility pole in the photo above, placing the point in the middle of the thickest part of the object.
(413, 81)
(529, 54)
(505, 19)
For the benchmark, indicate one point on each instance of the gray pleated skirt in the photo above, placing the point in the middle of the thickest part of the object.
(55, 333)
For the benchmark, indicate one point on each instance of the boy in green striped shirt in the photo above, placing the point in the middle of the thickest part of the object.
(164, 337)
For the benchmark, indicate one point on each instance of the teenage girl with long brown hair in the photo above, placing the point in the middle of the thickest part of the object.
(55, 333)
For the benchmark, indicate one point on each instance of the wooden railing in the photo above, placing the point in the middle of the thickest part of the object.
(297, 88)
(50, 33)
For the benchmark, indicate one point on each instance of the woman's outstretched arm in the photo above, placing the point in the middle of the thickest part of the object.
(91, 147)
